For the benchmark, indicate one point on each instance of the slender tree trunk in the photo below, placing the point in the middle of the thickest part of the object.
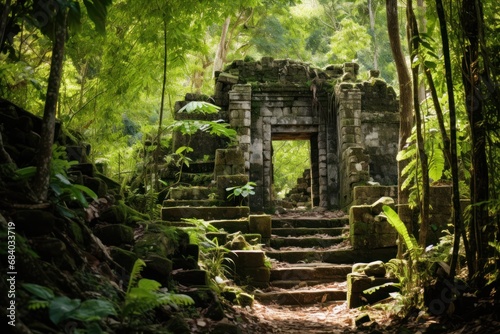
(457, 213)
(44, 154)
(471, 19)
(220, 57)
(405, 95)
(372, 11)
(3, 22)
(156, 155)
(424, 200)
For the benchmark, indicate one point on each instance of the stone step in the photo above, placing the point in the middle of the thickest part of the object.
(190, 193)
(310, 222)
(302, 297)
(305, 241)
(206, 213)
(339, 256)
(324, 272)
(202, 202)
(302, 231)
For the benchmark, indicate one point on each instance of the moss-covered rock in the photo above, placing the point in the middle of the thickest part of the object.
(115, 234)
(123, 257)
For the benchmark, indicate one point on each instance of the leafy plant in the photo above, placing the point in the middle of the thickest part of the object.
(405, 270)
(62, 308)
(144, 295)
(60, 183)
(241, 191)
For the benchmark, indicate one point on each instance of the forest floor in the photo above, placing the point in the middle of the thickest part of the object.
(337, 318)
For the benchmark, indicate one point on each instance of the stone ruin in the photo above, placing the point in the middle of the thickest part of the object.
(352, 125)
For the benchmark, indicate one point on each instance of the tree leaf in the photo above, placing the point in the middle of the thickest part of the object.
(39, 291)
(94, 309)
(61, 308)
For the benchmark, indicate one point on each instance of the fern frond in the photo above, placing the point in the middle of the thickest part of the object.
(397, 223)
(378, 287)
(134, 275)
(38, 304)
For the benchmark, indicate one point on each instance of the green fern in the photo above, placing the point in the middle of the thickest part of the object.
(435, 154)
(397, 223)
(144, 295)
(134, 275)
(378, 287)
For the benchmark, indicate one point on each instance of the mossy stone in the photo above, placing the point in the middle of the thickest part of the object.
(115, 234)
(123, 257)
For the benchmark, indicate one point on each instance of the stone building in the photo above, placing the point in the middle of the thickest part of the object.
(352, 124)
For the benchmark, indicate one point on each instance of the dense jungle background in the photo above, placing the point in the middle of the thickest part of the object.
(87, 97)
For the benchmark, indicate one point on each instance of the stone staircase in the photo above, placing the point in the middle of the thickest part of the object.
(311, 259)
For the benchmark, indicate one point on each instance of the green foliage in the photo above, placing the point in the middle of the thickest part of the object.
(60, 183)
(241, 191)
(144, 295)
(199, 107)
(393, 219)
(62, 309)
(290, 159)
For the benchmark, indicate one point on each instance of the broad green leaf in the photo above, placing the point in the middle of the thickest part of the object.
(199, 106)
(61, 308)
(94, 309)
(63, 179)
(39, 291)
(25, 173)
(86, 190)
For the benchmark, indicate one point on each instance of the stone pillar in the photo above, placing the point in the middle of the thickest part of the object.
(354, 169)
(240, 106)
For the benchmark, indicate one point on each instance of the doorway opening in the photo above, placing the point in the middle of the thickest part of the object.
(292, 179)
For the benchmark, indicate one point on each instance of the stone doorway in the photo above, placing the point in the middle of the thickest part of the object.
(292, 175)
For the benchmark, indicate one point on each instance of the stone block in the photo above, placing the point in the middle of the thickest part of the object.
(247, 258)
(358, 283)
(158, 268)
(123, 257)
(260, 224)
(229, 181)
(231, 226)
(227, 78)
(194, 277)
(115, 234)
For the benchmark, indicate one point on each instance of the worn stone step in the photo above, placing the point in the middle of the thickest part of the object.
(206, 202)
(306, 241)
(310, 222)
(205, 213)
(301, 231)
(301, 297)
(190, 193)
(309, 274)
(340, 256)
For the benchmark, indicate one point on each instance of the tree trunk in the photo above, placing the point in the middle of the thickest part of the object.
(471, 19)
(451, 144)
(220, 57)
(372, 12)
(156, 155)
(424, 199)
(405, 95)
(44, 154)
(3, 22)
